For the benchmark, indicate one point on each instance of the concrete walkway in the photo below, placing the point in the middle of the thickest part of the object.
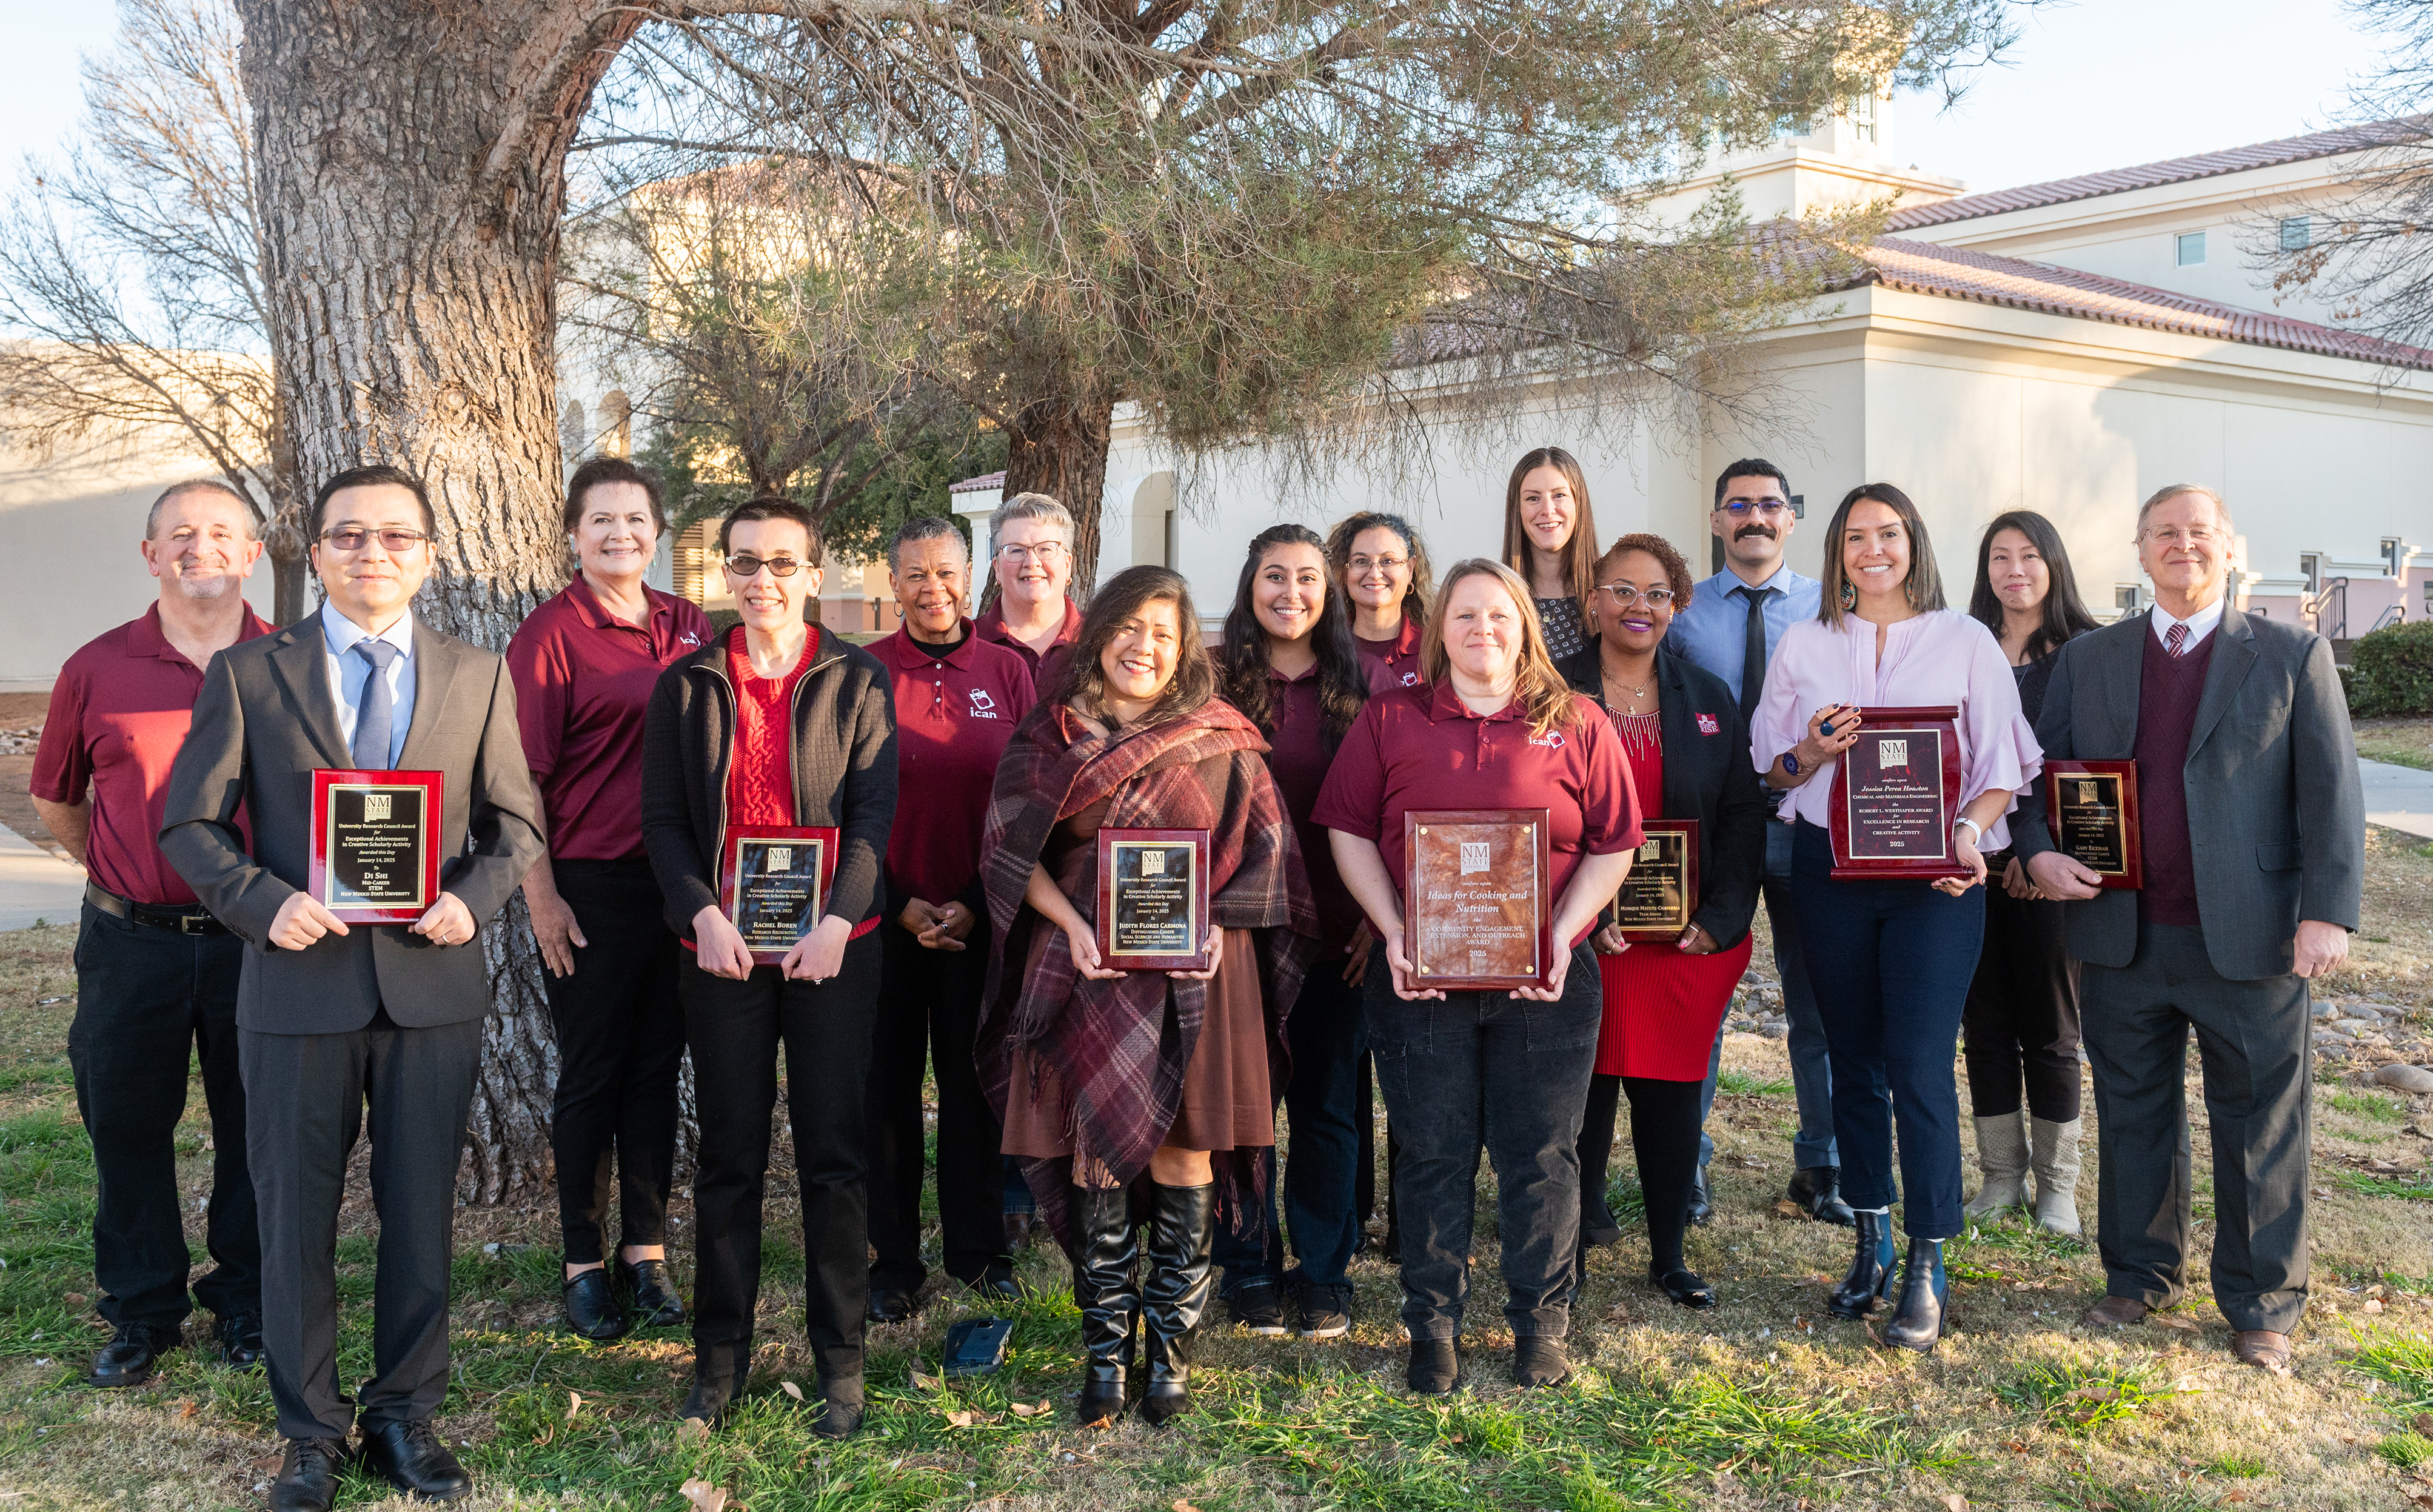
(36, 885)
(2398, 797)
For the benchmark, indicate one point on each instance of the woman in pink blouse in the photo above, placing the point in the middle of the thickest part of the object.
(1892, 960)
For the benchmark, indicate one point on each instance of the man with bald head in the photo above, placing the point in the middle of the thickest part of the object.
(156, 974)
(2253, 827)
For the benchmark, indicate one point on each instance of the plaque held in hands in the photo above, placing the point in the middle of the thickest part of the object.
(774, 884)
(2091, 808)
(376, 844)
(1153, 899)
(1896, 796)
(1661, 892)
(1475, 898)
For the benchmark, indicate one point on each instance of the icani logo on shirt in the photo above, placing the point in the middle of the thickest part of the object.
(1552, 739)
(1410, 679)
(1707, 726)
(983, 706)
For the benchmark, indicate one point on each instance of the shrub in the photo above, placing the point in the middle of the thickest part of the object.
(2393, 671)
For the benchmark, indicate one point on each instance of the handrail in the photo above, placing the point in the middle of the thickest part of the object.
(2395, 614)
(2329, 608)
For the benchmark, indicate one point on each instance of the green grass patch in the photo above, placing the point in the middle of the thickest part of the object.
(1741, 1084)
(2080, 1399)
(2237, 1467)
(2403, 1363)
(2407, 1451)
(2084, 1493)
(2380, 1109)
(2400, 1188)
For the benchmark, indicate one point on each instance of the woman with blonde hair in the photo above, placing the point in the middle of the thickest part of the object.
(1494, 726)
(1550, 540)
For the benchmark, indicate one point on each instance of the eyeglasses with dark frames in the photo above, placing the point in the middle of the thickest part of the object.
(749, 566)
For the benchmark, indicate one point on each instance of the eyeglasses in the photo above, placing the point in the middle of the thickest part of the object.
(351, 538)
(1363, 566)
(1742, 508)
(749, 566)
(1046, 553)
(2171, 535)
(1623, 595)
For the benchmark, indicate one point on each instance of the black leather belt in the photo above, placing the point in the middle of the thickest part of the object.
(194, 921)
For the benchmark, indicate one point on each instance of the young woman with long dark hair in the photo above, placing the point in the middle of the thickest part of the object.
(1382, 566)
(2020, 1027)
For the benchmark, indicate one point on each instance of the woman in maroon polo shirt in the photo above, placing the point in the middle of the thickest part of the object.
(1550, 540)
(1494, 727)
(1381, 565)
(1104, 1076)
(1288, 665)
(584, 664)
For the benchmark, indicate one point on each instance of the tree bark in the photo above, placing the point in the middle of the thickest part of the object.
(1058, 447)
(411, 157)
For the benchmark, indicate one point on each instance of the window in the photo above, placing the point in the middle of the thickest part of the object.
(2393, 550)
(2310, 567)
(2190, 248)
(1863, 118)
(2297, 233)
(2124, 597)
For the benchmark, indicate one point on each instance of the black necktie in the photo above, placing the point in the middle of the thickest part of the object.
(1752, 652)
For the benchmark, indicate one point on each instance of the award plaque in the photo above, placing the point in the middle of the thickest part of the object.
(1896, 796)
(375, 855)
(2091, 808)
(1153, 899)
(774, 884)
(1661, 891)
(1475, 898)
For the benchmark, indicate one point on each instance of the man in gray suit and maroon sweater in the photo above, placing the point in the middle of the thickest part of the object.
(2253, 827)
(333, 1017)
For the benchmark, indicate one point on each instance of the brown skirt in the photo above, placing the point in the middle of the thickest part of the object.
(1226, 1100)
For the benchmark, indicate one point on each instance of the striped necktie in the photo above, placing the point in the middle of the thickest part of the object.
(2175, 639)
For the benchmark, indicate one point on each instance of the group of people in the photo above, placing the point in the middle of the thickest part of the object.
(966, 767)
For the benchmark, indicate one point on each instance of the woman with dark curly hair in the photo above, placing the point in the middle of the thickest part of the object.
(1682, 736)
(1123, 1088)
(1382, 566)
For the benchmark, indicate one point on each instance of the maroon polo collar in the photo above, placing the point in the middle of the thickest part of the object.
(1444, 704)
(912, 654)
(145, 639)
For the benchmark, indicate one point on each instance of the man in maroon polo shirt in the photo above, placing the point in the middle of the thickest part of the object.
(156, 974)
(958, 698)
(1031, 537)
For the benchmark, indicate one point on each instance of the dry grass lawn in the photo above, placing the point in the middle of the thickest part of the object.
(1766, 1402)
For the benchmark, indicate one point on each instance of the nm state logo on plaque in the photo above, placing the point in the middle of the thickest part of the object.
(376, 807)
(1891, 754)
(1473, 856)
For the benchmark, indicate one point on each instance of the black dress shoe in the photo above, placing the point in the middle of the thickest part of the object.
(1599, 1227)
(1702, 1200)
(1924, 1291)
(415, 1461)
(889, 1307)
(655, 1303)
(1817, 1189)
(1687, 1287)
(1435, 1367)
(129, 1358)
(592, 1308)
(240, 1339)
(841, 1415)
(308, 1475)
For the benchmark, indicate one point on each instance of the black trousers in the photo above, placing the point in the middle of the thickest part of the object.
(304, 1109)
(1664, 1137)
(2252, 1046)
(735, 1031)
(620, 1050)
(929, 1011)
(149, 1002)
(2020, 1022)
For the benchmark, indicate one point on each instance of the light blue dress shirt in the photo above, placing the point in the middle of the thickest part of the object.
(1712, 632)
(349, 672)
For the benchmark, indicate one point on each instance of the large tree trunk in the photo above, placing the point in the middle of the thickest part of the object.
(411, 156)
(1057, 446)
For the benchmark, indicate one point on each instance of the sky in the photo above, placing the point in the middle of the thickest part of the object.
(2091, 85)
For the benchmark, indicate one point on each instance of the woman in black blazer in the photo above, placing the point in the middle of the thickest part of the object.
(1685, 742)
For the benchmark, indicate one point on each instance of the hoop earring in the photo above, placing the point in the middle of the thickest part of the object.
(1850, 597)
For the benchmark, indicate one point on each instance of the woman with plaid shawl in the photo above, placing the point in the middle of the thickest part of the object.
(1138, 1095)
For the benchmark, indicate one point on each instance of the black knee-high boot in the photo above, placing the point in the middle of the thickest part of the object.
(1182, 1233)
(1104, 1250)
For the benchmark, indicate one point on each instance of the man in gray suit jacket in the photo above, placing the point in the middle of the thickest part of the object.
(332, 1017)
(2253, 827)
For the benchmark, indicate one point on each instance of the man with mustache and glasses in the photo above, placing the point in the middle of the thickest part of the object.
(156, 974)
(1733, 622)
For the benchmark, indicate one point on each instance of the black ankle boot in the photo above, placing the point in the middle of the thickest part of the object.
(1104, 1251)
(1871, 1269)
(1919, 1322)
(1182, 1233)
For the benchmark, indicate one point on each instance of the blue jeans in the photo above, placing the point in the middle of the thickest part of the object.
(1892, 962)
(1487, 1071)
(1811, 1073)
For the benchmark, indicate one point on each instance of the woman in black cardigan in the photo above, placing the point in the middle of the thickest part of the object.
(1683, 737)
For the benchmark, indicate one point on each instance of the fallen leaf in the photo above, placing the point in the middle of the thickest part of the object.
(574, 1404)
(2096, 1394)
(76, 1298)
(2374, 1304)
(702, 1495)
(186, 1407)
(928, 1383)
(1956, 1501)
(2423, 1423)
(268, 1465)
(2234, 1495)
(693, 1431)
(1784, 1207)
(1182, 1506)
(1027, 1409)
(791, 1389)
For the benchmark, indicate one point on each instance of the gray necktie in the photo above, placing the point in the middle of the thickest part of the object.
(374, 715)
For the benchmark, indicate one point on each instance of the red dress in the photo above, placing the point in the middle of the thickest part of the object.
(1661, 1008)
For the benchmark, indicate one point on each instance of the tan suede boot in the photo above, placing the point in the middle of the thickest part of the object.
(2002, 1156)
